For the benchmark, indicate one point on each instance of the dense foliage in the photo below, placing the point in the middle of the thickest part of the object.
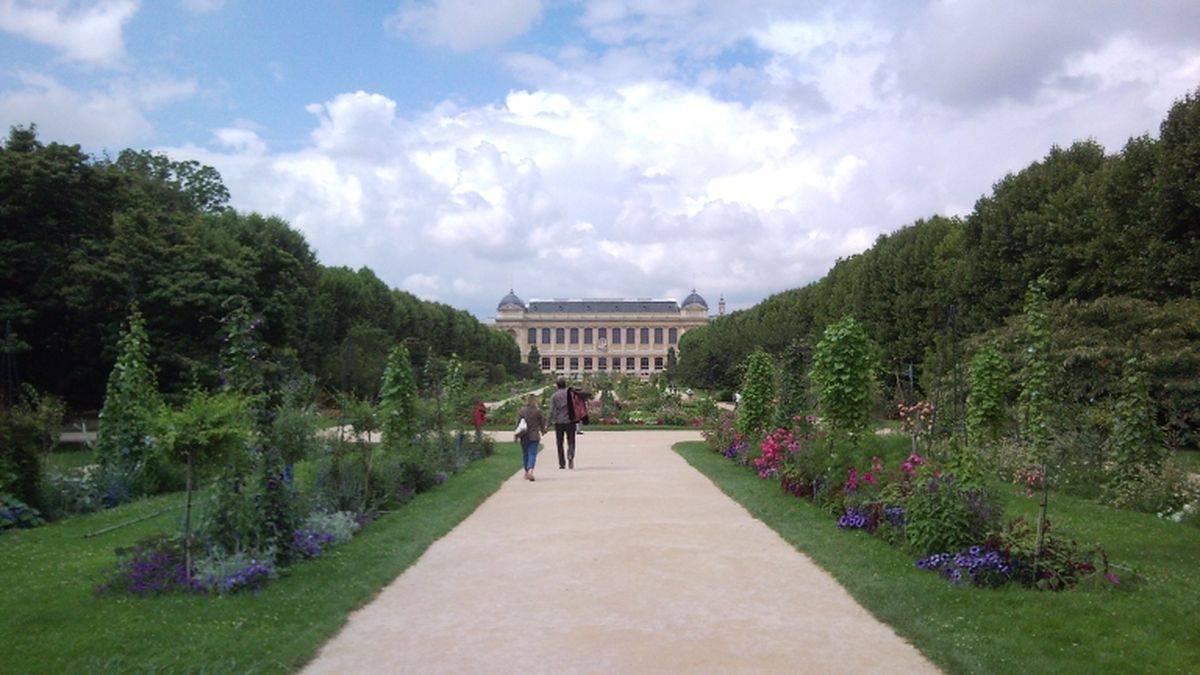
(1102, 228)
(843, 364)
(82, 237)
(758, 395)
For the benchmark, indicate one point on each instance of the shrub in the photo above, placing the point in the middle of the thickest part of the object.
(398, 394)
(1164, 491)
(843, 367)
(987, 395)
(153, 566)
(941, 515)
(758, 395)
(16, 514)
(322, 530)
(1061, 565)
(793, 385)
(233, 573)
(28, 430)
(1135, 442)
(84, 490)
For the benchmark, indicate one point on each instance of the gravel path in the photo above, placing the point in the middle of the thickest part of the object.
(634, 562)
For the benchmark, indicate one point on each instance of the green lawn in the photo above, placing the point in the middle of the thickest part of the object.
(63, 460)
(1189, 459)
(1151, 628)
(52, 622)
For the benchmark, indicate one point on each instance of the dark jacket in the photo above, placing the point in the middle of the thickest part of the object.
(535, 423)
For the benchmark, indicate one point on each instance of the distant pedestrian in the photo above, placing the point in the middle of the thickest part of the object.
(479, 418)
(561, 414)
(531, 437)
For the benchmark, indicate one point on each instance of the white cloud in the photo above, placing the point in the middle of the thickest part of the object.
(111, 116)
(90, 34)
(463, 25)
(655, 163)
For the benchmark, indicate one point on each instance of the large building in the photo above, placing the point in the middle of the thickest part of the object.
(576, 337)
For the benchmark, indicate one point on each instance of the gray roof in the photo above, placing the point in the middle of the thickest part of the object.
(603, 306)
(510, 299)
(695, 299)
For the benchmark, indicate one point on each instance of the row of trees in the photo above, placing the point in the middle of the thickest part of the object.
(1095, 226)
(83, 237)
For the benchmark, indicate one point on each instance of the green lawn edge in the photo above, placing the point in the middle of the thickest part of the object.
(52, 621)
(1152, 627)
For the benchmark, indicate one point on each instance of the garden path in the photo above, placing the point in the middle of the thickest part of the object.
(634, 562)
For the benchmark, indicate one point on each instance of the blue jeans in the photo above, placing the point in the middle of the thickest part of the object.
(529, 449)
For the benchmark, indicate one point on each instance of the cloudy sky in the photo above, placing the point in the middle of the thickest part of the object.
(596, 147)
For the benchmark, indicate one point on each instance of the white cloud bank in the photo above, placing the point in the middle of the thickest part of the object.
(463, 25)
(92, 34)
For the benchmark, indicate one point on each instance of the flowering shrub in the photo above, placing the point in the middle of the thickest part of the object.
(1061, 565)
(978, 565)
(854, 519)
(917, 420)
(943, 515)
(150, 567)
(1031, 479)
(775, 449)
(242, 571)
(310, 543)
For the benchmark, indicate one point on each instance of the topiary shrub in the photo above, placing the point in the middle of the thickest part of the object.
(758, 395)
(397, 396)
(843, 364)
(986, 399)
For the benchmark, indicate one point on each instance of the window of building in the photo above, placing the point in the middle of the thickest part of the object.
(574, 336)
(559, 364)
(672, 335)
(645, 336)
(545, 363)
(630, 336)
(629, 362)
(658, 363)
(658, 336)
(616, 363)
(616, 336)
(587, 336)
(545, 336)
(533, 336)
(645, 363)
(601, 333)
(587, 363)
(560, 336)
(603, 365)
(574, 363)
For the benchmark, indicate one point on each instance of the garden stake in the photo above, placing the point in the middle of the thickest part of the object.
(135, 521)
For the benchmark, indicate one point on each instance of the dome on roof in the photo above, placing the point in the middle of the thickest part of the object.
(694, 299)
(511, 300)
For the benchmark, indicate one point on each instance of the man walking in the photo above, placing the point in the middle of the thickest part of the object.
(560, 415)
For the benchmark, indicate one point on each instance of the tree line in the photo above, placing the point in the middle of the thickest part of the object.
(85, 236)
(1122, 230)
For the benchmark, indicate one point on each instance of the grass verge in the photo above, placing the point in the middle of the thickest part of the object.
(52, 621)
(1152, 627)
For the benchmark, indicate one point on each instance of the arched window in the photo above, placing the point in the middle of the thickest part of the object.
(560, 336)
(533, 336)
(672, 335)
(545, 336)
(630, 336)
(587, 336)
(645, 336)
(658, 336)
(574, 336)
(616, 336)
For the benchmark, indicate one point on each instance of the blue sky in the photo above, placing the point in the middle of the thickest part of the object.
(596, 147)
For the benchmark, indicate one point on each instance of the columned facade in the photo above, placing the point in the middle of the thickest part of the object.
(576, 337)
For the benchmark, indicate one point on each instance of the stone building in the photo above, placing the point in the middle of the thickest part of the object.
(575, 337)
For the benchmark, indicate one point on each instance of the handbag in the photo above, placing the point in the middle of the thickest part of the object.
(522, 428)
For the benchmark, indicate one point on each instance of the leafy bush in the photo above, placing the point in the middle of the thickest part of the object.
(843, 371)
(1061, 565)
(322, 530)
(129, 420)
(793, 385)
(942, 515)
(398, 393)
(1164, 491)
(1136, 443)
(224, 574)
(16, 514)
(28, 430)
(986, 399)
(758, 395)
(84, 490)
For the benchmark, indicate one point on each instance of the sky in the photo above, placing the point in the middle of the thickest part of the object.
(596, 148)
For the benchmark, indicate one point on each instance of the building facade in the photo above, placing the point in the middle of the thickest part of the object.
(577, 337)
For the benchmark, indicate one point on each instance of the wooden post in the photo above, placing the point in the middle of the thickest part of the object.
(187, 522)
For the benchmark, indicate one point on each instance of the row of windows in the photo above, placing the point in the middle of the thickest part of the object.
(602, 363)
(602, 334)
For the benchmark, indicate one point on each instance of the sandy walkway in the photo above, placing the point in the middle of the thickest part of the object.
(634, 562)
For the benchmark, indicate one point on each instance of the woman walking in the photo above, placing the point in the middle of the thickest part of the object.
(535, 426)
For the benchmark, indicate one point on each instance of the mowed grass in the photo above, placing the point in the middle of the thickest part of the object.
(52, 621)
(1153, 627)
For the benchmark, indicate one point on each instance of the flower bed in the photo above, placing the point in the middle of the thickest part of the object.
(951, 524)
